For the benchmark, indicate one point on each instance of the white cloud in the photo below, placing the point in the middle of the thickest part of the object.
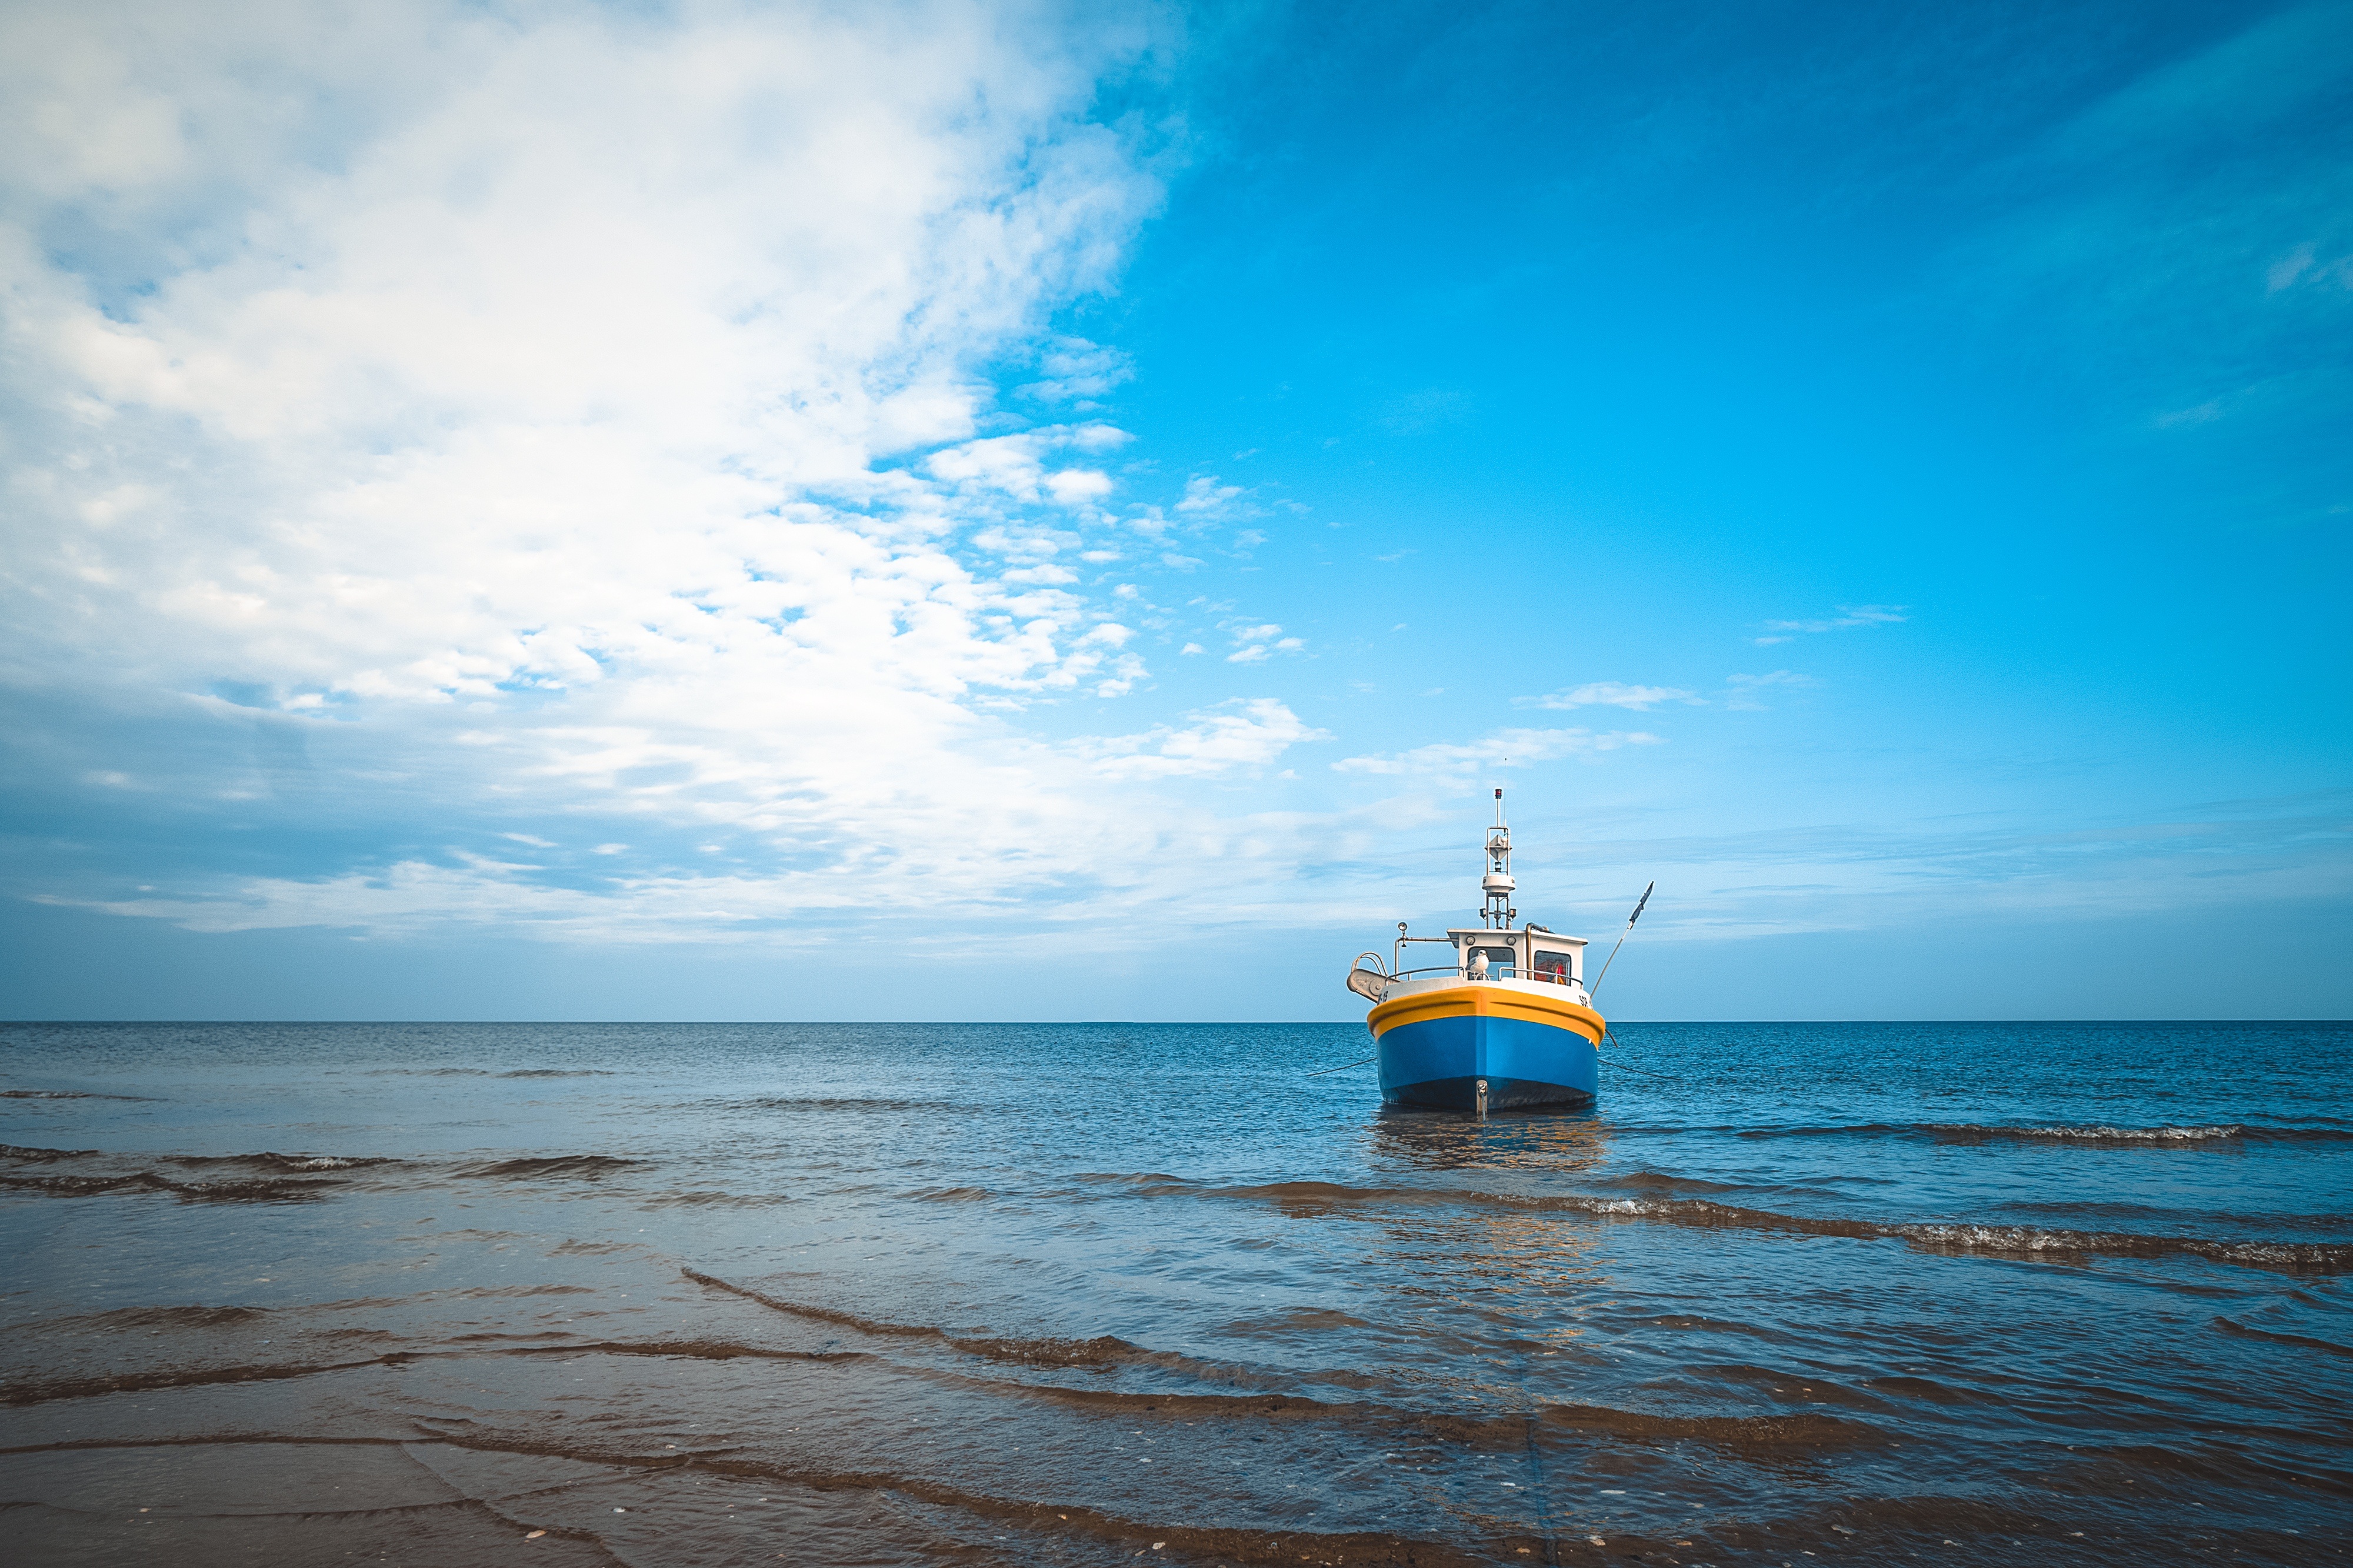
(2205, 413)
(1610, 694)
(1206, 497)
(1242, 733)
(1742, 690)
(1848, 617)
(1014, 468)
(1460, 764)
(2284, 271)
(583, 412)
(1078, 370)
(2303, 265)
(1260, 642)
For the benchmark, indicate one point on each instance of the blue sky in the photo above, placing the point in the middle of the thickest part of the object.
(975, 511)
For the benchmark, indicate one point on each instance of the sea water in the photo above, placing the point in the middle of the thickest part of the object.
(460, 1294)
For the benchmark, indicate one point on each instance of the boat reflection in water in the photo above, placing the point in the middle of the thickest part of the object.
(1559, 1140)
(1483, 1235)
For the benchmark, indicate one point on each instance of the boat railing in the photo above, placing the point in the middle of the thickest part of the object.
(1494, 972)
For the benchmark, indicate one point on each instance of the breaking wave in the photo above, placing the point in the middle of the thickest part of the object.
(2092, 1136)
(1957, 1236)
(279, 1178)
(267, 1161)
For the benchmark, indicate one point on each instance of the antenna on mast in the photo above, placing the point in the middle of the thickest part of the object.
(1497, 884)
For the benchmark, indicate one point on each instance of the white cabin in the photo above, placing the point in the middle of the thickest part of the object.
(1531, 953)
(1529, 959)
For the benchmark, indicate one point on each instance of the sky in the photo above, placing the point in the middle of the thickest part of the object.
(949, 509)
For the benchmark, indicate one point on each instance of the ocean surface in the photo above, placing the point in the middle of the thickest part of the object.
(1086, 1294)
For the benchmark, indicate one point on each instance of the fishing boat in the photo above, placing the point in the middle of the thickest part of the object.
(1505, 1021)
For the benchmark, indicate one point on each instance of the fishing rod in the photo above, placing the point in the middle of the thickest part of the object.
(1640, 905)
(1621, 939)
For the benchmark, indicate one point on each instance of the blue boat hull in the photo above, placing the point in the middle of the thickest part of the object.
(1437, 1062)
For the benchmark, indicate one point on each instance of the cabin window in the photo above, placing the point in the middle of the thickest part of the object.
(1552, 968)
(1501, 961)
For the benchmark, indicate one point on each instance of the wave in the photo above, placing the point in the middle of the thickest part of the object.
(2146, 1214)
(103, 1384)
(1501, 1431)
(590, 1166)
(1104, 1350)
(1296, 1320)
(2152, 1137)
(1935, 1236)
(260, 1190)
(2300, 1342)
(264, 1160)
(286, 1178)
(783, 1103)
(1660, 1182)
(2313, 1257)
(491, 1072)
(1063, 1521)
(2096, 1135)
(143, 1381)
(61, 1094)
(706, 1198)
(267, 1161)
(161, 1318)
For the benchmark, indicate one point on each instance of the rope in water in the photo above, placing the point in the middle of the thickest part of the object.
(1344, 1067)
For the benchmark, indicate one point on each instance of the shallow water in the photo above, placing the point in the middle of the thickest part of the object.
(1074, 1294)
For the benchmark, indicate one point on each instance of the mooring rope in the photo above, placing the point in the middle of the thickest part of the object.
(1344, 1067)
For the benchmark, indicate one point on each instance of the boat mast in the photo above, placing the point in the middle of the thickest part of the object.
(1497, 883)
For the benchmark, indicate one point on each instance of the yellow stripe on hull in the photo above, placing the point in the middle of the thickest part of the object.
(1487, 1001)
